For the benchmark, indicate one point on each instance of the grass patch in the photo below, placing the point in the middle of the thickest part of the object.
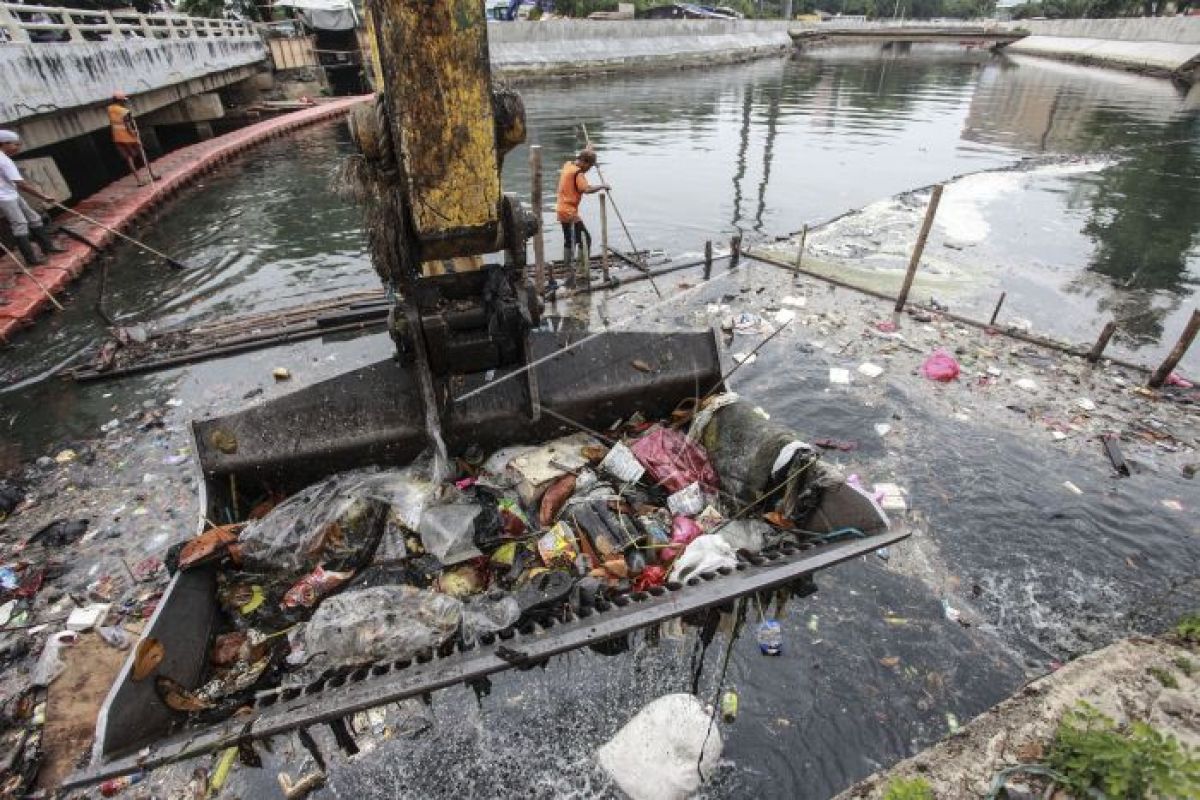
(1163, 676)
(1184, 665)
(1188, 628)
(908, 789)
(1091, 752)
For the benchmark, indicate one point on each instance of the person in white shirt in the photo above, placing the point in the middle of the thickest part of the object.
(23, 220)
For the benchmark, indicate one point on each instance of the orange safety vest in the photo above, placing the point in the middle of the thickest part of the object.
(571, 186)
(116, 119)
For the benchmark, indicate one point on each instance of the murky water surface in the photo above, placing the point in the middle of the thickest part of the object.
(1080, 201)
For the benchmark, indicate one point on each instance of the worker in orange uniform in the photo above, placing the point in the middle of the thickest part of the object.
(572, 186)
(125, 134)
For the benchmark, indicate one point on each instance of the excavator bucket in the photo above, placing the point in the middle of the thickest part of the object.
(477, 369)
(371, 416)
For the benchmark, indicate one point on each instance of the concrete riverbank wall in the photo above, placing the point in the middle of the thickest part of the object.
(1159, 45)
(569, 47)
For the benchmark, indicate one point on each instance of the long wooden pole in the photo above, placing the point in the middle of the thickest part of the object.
(1181, 347)
(708, 259)
(171, 262)
(141, 147)
(539, 241)
(930, 212)
(735, 251)
(1101, 343)
(604, 235)
(31, 277)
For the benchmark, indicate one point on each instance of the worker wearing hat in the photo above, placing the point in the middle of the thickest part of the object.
(572, 186)
(125, 134)
(22, 220)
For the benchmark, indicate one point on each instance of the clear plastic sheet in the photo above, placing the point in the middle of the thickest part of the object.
(379, 624)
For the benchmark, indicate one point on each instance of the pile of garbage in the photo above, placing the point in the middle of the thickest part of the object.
(386, 564)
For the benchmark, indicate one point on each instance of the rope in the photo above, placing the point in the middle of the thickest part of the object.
(739, 618)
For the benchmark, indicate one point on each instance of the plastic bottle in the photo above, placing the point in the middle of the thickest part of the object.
(770, 637)
(114, 786)
(729, 705)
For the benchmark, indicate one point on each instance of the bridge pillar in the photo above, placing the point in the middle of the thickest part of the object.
(196, 108)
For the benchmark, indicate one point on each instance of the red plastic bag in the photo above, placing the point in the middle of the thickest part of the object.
(940, 366)
(674, 461)
(684, 531)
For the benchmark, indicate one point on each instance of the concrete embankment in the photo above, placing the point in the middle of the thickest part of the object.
(120, 204)
(1160, 46)
(569, 47)
(1148, 680)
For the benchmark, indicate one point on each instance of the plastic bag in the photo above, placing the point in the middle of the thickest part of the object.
(745, 534)
(665, 751)
(377, 624)
(683, 532)
(336, 523)
(116, 637)
(448, 531)
(488, 613)
(940, 366)
(50, 664)
(674, 461)
(704, 554)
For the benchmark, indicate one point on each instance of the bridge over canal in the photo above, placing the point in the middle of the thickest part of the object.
(59, 67)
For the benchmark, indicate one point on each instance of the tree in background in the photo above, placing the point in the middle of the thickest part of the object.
(217, 9)
(1095, 9)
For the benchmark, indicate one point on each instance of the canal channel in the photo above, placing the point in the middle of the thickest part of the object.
(1073, 190)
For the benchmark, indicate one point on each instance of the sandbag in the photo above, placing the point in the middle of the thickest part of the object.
(655, 756)
(754, 457)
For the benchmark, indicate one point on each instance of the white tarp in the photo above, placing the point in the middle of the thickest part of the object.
(329, 15)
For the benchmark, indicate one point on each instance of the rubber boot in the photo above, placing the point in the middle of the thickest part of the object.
(569, 266)
(31, 258)
(44, 241)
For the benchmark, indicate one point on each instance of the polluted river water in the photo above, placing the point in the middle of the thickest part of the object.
(1079, 201)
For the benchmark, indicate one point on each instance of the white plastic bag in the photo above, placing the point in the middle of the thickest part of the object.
(706, 553)
(50, 665)
(655, 756)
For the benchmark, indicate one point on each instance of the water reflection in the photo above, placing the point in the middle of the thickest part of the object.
(1144, 223)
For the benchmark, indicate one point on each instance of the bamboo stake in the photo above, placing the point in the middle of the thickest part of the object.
(735, 251)
(539, 242)
(604, 235)
(1101, 343)
(1181, 347)
(930, 212)
(708, 259)
(996, 310)
(800, 252)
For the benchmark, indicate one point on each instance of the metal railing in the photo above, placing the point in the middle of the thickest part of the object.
(52, 24)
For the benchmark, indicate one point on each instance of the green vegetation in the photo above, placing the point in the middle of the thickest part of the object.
(908, 789)
(773, 9)
(1188, 628)
(1184, 665)
(1091, 752)
(1163, 676)
(1097, 9)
